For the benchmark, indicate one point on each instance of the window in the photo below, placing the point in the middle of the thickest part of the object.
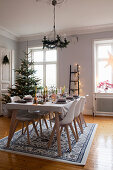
(45, 64)
(102, 63)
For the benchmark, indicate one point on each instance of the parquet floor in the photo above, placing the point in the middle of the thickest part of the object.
(100, 155)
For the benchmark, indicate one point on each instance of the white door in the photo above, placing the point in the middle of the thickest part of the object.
(6, 75)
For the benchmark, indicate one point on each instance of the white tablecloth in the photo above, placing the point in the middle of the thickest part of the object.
(48, 106)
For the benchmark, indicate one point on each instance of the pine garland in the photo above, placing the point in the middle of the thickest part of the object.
(5, 60)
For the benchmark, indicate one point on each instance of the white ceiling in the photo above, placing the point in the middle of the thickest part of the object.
(28, 17)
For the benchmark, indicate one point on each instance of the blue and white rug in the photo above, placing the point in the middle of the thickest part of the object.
(38, 145)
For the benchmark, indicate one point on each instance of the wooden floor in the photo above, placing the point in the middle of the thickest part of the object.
(100, 155)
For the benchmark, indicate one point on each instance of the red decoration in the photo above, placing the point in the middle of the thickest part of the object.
(105, 85)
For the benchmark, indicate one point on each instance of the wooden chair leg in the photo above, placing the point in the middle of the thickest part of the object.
(69, 142)
(45, 122)
(40, 127)
(61, 130)
(37, 123)
(51, 137)
(27, 128)
(11, 131)
(71, 127)
(81, 129)
(33, 122)
(76, 129)
(82, 117)
(16, 124)
(23, 128)
(50, 120)
(57, 124)
(79, 117)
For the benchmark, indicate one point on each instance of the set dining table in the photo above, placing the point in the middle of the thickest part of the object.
(29, 106)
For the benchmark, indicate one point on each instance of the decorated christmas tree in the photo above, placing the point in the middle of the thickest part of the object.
(25, 83)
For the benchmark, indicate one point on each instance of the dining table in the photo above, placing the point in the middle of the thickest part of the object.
(58, 109)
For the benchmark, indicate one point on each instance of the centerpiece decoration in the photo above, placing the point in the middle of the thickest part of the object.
(62, 91)
(35, 98)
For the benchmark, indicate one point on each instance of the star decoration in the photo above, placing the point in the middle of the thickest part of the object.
(110, 60)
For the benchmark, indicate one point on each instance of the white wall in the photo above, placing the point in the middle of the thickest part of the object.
(80, 52)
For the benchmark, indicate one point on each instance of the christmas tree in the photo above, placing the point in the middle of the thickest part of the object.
(25, 83)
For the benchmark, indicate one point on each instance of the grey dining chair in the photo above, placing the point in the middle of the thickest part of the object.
(81, 117)
(26, 118)
(76, 117)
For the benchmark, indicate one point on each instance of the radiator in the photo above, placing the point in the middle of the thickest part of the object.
(103, 103)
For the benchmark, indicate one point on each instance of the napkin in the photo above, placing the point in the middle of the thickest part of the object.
(28, 98)
(61, 101)
(15, 98)
(69, 97)
(20, 101)
(75, 96)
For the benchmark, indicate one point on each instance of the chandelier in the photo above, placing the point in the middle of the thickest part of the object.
(57, 42)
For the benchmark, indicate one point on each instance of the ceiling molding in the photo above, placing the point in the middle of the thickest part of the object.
(6, 33)
(90, 29)
(70, 32)
(31, 37)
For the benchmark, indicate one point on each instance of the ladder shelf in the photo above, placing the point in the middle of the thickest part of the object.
(74, 81)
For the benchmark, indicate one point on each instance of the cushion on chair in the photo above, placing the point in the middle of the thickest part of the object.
(24, 115)
(38, 112)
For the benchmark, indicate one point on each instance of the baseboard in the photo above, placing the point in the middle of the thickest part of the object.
(90, 112)
(103, 114)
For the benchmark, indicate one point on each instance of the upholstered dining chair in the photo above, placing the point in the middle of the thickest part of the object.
(41, 115)
(26, 118)
(81, 117)
(65, 123)
(76, 117)
(30, 116)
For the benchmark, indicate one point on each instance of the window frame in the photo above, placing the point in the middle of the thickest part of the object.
(96, 44)
(44, 62)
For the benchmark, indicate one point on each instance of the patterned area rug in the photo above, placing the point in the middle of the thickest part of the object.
(38, 145)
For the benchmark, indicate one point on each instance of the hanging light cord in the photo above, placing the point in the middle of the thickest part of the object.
(54, 22)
